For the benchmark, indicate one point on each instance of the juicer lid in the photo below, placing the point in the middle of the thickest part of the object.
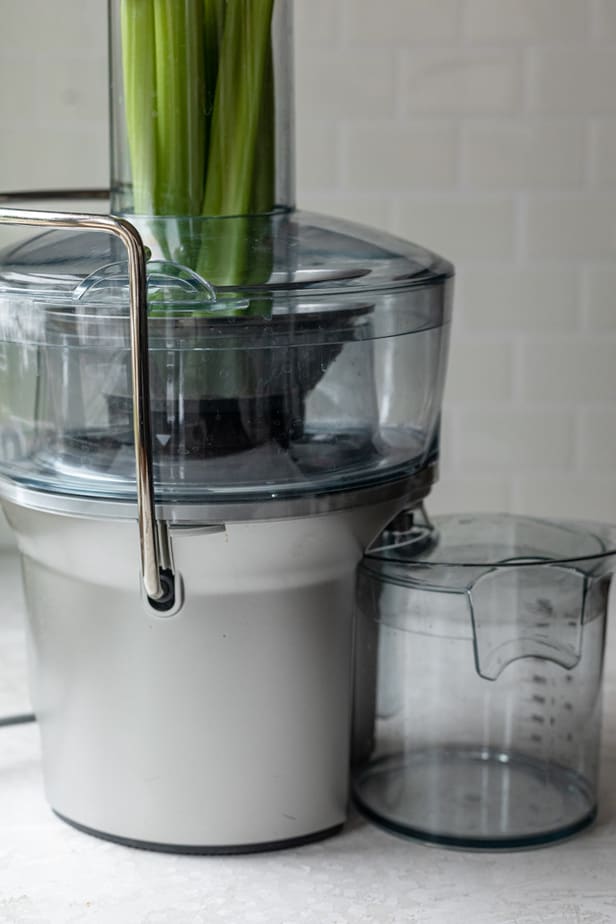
(450, 551)
(304, 263)
(515, 586)
(252, 391)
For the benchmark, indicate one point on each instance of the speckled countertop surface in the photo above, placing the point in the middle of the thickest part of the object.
(52, 874)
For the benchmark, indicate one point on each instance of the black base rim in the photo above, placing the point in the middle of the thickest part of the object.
(197, 849)
(527, 842)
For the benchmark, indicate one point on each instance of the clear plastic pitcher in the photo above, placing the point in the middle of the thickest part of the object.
(486, 635)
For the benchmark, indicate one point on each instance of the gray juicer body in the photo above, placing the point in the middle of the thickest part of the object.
(224, 726)
(221, 723)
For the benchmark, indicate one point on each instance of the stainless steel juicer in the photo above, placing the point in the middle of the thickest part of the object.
(193, 468)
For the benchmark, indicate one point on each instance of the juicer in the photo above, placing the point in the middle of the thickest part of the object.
(205, 419)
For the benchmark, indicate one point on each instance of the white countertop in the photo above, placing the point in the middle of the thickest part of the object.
(53, 874)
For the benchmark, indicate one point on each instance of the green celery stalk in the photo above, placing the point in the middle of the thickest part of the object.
(180, 86)
(204, 145)
(235, 121)
(234, 136)
(138, 60)
(214, 22)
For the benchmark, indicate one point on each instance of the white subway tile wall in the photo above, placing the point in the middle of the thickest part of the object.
(485, 129)
(605, 19)
(53, 96)
(532, 21)
(498, 149)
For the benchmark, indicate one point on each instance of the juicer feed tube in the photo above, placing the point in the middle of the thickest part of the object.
(158, 586)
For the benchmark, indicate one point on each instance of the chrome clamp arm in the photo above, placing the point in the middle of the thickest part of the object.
(153, 534)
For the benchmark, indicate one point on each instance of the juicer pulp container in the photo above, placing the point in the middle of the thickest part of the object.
(213, 715)
(485, 635)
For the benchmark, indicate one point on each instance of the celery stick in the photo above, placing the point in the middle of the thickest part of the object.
(203, 146)
(235, 121)
(138, 59)
(180, 85)
(214, 21)
(242, 76)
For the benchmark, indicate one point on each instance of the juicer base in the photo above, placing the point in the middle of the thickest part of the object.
(196, 849)
(226, 724)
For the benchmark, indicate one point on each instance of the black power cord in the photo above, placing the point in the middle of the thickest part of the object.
(17, 719)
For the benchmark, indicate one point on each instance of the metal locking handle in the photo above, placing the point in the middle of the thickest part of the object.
(153, 534)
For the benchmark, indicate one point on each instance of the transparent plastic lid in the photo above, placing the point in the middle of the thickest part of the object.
(300, 263)
(451, 551)
(515, 586)
(310, 359)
